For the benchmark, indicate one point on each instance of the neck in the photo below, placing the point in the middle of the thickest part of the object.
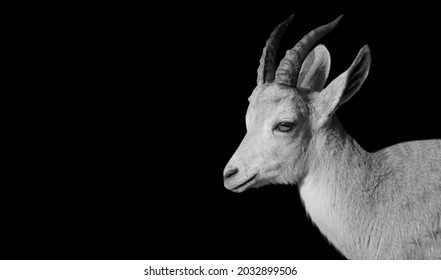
(337, 168)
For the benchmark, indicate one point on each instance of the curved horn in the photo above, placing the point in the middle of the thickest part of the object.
(266, 70)
(289, 66)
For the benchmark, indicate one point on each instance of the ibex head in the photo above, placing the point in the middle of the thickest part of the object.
(289, 108)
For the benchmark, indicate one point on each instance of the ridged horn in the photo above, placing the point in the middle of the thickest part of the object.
(289, 67)
(267, 67)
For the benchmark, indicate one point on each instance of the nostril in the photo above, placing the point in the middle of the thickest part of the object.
(230, 173)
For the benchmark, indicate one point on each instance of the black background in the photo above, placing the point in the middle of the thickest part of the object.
(136, 110)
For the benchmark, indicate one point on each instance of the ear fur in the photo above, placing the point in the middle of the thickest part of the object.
(342, 88)
(315, 69)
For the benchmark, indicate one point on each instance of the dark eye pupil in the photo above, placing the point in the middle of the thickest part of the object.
(285, 126)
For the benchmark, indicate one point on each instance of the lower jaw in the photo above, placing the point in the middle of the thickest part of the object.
(244, 187)
(255, 184)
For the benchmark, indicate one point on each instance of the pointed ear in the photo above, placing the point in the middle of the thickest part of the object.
(342, 88)
(315, 69)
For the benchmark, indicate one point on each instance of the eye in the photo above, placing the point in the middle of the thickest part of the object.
(285, 126)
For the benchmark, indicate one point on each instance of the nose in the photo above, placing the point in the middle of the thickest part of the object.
(230, 173)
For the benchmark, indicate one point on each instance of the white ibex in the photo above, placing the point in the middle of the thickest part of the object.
(382, 205)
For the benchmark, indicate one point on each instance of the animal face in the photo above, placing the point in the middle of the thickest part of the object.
(278, 134)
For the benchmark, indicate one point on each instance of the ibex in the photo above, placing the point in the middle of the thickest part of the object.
(382, 205)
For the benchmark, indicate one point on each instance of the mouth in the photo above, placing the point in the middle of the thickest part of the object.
(245, 185)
